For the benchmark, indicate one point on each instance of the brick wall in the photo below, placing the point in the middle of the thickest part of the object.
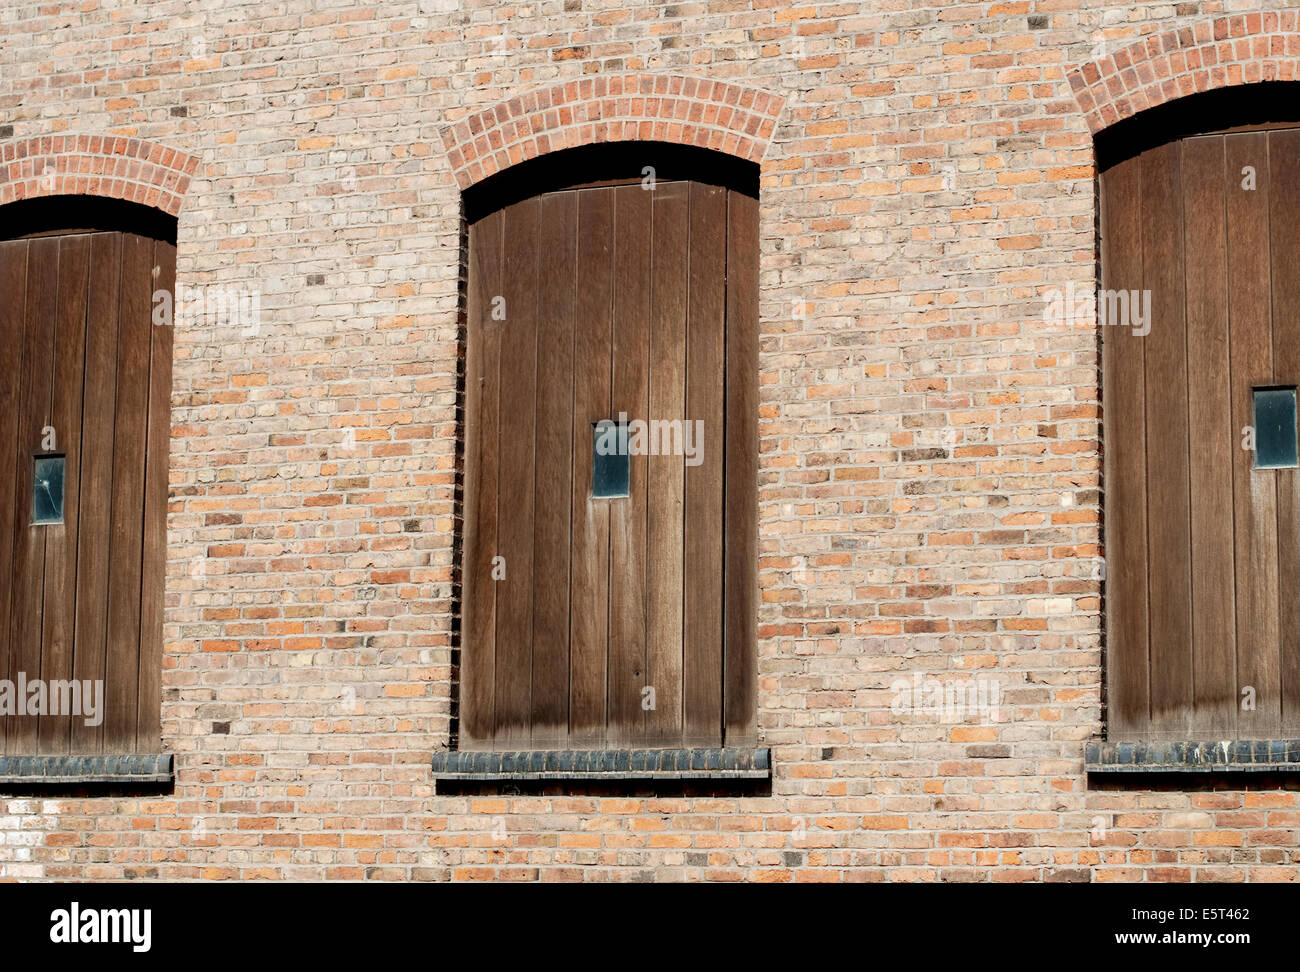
(929, 501)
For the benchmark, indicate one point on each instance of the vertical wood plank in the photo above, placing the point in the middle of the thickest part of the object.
(1168, 455)
(478, 592)
(516, 424)
(627, 517)
(666, 465)
(1212, 438)
(741, 528)
(1282, 673)
(705, 394)
(35, 413)
(590, 616)
(1255, 491)
(13, 317)
(557, 251)
(1124, 440)
(95, 487)
(157, 464)
(60, 596)
(127, 521)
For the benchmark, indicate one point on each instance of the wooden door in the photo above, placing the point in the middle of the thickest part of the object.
(1203, 633)
(89, 381)
(630, 620)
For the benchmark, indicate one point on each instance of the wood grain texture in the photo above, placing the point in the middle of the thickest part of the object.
(1213, 441)
(1216, 241)
(557, 289)
(95, 488)
(666, 465)
(608, 597)
(1279, 708)
(130, 429)
(35, 413)
(627, 517)
(60, 602)
(1168, 447)
(590, 601)
(516, 425)
(83, 585)
(740, 687)
(1255, 520)
(705, 399)
(13, 329)
(154, 555)
(1124, 437)
(482, 377)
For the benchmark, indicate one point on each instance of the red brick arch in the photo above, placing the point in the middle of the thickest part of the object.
(96, 165)
(648, 107)
(1242, 49)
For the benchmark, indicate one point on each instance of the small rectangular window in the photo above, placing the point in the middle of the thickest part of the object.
(47, 490)
(610, 463)
(1275, 428)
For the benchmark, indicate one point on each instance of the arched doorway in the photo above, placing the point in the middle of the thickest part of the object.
(1200, 274)
(611, 452)
(85, 426)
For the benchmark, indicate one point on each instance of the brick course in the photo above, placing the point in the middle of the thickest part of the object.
(929, 488)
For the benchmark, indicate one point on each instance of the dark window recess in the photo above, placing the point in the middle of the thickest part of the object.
(610, 463)
(1275, 428)
(47, 490)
